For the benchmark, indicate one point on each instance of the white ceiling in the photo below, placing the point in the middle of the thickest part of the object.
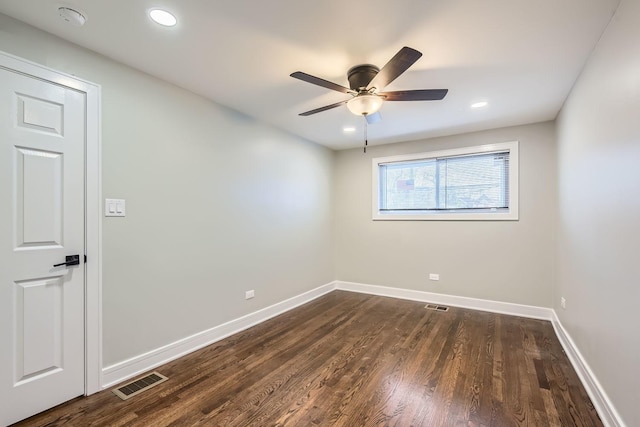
(521, 56)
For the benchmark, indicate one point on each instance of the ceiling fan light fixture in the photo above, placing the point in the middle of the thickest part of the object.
(363, 105)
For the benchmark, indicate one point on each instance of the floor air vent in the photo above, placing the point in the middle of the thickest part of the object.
(138, 386)
(436, 307)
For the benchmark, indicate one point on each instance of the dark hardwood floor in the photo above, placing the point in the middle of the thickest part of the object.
(348, 359)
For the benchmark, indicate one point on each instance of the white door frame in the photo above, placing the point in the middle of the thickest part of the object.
(93, 211)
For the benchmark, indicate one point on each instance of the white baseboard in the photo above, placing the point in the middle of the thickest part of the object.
(599, 398)
(129, 368)
(529, 311)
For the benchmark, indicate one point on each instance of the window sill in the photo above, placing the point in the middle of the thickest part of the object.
(447, 216)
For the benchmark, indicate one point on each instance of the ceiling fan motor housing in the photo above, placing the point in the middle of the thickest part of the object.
(361, 75)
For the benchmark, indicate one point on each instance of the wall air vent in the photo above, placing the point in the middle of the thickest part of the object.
(138, 386)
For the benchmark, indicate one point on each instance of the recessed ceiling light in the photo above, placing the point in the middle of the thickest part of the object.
(479, 104)
(348, 129)
(163, 17)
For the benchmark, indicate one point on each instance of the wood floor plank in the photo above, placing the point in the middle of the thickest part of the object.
(349, 359)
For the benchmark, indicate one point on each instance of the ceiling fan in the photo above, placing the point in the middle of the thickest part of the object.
(366, 82)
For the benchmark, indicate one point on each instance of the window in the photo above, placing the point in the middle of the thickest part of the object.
(474, 183)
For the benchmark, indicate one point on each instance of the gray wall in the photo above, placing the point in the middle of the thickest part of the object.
(216, 203)
(509, 261)
(599, 211)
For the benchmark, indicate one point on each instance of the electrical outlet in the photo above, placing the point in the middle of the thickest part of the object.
(434, 276)
(563, 302)
(249, 294)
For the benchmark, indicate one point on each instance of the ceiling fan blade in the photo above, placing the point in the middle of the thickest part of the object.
(415, 95)
(325, 108)
(373, 118)
(320, 82)
(402, 60)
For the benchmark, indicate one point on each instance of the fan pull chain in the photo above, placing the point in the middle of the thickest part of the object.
(366, 141)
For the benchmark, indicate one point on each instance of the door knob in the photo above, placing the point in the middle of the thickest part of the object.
(70, 260)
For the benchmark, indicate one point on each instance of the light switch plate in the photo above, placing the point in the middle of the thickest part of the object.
(114, 207)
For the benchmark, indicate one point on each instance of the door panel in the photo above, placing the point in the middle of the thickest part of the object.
(38, 328)
(42, 143)
(39, 114)
(39, 198)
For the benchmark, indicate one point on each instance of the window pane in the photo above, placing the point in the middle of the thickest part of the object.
(478, 181)
(408, 185)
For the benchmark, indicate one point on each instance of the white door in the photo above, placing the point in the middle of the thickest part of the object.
(42, 152)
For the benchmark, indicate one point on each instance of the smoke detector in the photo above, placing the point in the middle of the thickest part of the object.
(72, 16)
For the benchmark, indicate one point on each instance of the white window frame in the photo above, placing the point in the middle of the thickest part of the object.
(453, 214)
